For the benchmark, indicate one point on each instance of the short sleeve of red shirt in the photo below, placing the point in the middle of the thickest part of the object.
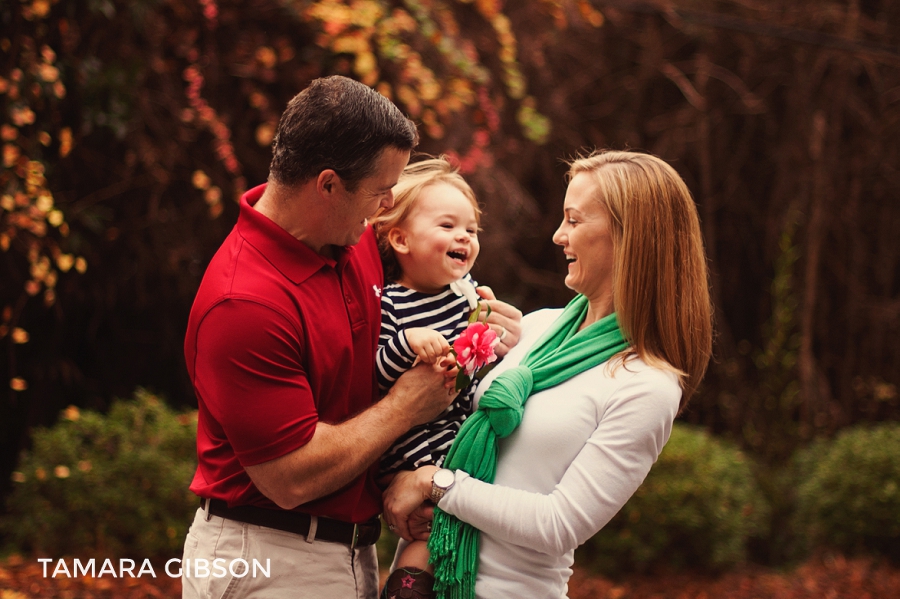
(264, 405)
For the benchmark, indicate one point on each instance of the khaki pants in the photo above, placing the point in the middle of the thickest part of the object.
(225, 559)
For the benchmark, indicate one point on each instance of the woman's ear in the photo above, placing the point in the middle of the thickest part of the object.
(397, 238)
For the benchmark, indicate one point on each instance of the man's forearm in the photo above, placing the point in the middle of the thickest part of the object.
(337, 454)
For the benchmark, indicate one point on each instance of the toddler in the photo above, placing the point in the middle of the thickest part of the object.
(428, 242)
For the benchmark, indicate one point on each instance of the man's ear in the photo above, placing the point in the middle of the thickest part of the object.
(397, 238)
(327, 183)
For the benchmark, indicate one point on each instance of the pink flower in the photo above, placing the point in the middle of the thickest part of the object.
(475, 348)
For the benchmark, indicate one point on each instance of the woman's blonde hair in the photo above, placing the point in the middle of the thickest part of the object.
(415, 178)
(661, 284)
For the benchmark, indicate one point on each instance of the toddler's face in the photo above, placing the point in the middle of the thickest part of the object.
(438, 242)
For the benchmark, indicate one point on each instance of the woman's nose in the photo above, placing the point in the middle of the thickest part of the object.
(558, 236)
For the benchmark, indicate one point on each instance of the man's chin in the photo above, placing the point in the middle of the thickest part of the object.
(354, 238)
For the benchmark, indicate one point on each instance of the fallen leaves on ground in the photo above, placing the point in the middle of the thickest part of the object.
(825, 577)
(23, 578)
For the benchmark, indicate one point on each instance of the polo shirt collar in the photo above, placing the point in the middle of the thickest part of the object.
(293, 258)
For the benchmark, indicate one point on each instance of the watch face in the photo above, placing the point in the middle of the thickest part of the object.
(444, 478)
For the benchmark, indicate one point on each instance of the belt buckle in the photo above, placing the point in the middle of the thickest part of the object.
(355, 537)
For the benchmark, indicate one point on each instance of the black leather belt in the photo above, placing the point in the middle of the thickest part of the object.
(327, 529)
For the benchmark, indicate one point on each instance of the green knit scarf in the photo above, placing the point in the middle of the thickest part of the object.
(560, 354)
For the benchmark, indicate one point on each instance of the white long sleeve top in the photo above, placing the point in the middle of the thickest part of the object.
(581, 451)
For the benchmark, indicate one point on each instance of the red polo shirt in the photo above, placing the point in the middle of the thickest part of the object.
(280, 337)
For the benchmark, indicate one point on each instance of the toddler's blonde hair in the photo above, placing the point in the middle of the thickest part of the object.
(415, 178)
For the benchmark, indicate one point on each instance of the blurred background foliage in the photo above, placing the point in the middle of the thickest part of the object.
(130, 128)
(115, 485)
(106, 485)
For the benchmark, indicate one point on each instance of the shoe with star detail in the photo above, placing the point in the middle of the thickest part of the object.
(408, 583)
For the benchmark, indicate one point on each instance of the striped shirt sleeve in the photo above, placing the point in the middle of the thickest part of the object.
(394, 356)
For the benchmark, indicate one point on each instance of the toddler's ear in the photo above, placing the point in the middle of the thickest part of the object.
(397, 238)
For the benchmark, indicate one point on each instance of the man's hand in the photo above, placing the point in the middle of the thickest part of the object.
(405, 495)
(423, 392)
(505, 319)
(427, 344)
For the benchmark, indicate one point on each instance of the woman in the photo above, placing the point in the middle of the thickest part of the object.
(601, 382)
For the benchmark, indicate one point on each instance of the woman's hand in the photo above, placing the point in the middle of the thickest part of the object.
(407, 492)
(505, 319)
(420, 521)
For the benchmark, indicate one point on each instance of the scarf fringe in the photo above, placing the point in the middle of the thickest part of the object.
(454, 549)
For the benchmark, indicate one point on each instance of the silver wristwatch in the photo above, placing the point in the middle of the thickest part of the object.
(441, 482)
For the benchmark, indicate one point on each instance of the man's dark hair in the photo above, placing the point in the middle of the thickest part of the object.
(337, 123)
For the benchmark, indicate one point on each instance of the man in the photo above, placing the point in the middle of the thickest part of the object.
(280, 348)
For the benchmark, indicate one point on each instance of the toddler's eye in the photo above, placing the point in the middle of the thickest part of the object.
(446, 226)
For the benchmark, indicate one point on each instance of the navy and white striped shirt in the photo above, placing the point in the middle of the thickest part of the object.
(448, 313)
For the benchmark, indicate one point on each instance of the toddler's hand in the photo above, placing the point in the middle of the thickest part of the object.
(427, 344)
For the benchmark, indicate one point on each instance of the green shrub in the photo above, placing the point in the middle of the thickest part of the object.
(114, 485)
(777, 546)
(848, 496)
(386, 546)
(697, 509)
